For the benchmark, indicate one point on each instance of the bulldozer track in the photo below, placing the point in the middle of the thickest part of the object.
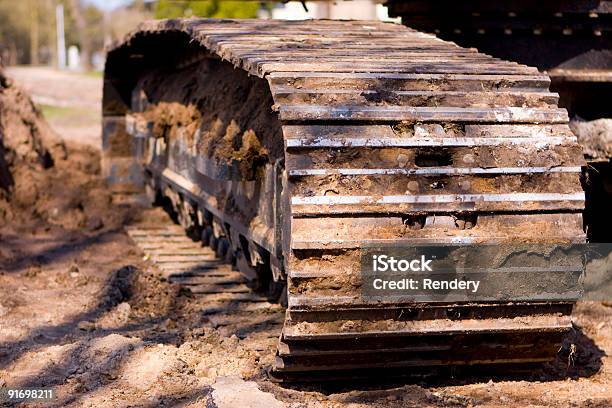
(390, 136)
(186, 262)
(579, 17)
(570, 40)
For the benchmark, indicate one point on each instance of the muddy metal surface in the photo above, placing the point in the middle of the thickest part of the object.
(426, 142)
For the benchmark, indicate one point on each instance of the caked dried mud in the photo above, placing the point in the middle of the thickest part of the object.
(197, 104)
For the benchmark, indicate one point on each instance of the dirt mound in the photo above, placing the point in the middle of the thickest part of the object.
(595, 137)
(23, 137)
(41, 177)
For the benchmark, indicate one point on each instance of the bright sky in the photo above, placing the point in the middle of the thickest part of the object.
(107, 4)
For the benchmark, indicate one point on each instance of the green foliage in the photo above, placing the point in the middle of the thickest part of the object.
(95, 26)
(206, 8)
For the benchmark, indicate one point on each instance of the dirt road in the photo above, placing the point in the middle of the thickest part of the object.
(84, 310)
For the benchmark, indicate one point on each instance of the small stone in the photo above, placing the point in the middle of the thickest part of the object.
(413, 186)
(233, 391)
(86, 325)
(122, 312)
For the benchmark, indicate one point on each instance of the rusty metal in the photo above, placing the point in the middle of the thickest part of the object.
(379, 123)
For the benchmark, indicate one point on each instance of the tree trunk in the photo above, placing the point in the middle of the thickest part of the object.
(84, 39)
(51, 32)
(34, 48)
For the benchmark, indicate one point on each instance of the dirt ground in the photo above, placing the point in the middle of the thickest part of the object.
(82, 310)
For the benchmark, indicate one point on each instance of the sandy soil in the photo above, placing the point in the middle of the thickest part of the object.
(83, 311)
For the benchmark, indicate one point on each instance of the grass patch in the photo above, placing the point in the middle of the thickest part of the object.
(69, 116)
(55, 112)
(94, 74)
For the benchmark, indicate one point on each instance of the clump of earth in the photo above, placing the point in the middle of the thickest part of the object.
(595, 137)
(44, 180)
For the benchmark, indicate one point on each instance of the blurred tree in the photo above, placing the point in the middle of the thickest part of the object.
(27, 30)
(122, 20)
(84, 39)
(15, 18)
(206, 8)
(94, 18)
(34, 30)
(84, 28)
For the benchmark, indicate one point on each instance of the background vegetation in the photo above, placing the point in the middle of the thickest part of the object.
(206, 8)
(28, 27)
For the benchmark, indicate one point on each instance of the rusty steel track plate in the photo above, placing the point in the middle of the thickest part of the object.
(380, 123)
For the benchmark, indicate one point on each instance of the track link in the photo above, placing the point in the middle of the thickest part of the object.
(187, 263)
(229, 304)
